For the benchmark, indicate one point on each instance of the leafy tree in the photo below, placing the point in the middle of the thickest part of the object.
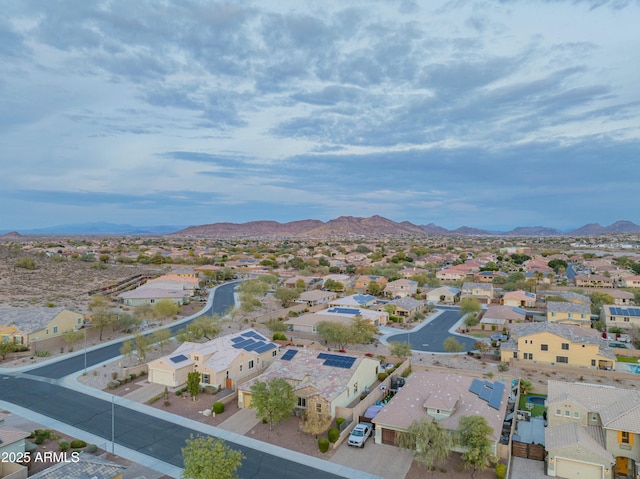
(558, 265)
(431, 442)
(390, 308)
(72, 336)
(519, 258)
(161, 337)
(248, 302)
(101, 319)
(286, 295)
(635, 267)
(401, 350)
(253, 287)
(127, 349)
(469, 305)
(452, 345)
(600, 326)
(273, 400)
(421, 279)
(207, 327)
(126, 322)
(165, 308)
(142, 344)
(333, 285)
(6, 348)
(338, 334)
(363, 331)
(490, 266)
(598, 299)
(206, 457)
(473, 432)
(193, 384)
(374, 288)
(276, 326)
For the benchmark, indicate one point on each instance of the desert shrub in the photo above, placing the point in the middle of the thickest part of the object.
(503, 367)
(114, 375)
(142, 373)
(406, 372)
(209, 389)
(323, 444)
(133, 376)
(339, 421)
(78, 444)
(113, 384)
(382, 376)
(501, 470)
(184, 389)
(218, 407)
(39, 440)
(92, 448)
(26, 263)
(42, 353)
(179, 392)
(64, 446)
(333, 434)
(279, 336)
(166, 404)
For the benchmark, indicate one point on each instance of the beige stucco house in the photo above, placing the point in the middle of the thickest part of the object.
(401, 288)
(221, 361)
(569, 313)
(444, 294)
(321, 381)
(26, 325)
(619, 316)
(519, 299)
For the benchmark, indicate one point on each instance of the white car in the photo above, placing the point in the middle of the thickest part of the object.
(359, 434)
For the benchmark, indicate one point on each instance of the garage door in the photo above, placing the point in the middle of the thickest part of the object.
(161, 377)
(577, 470)
(389, 437)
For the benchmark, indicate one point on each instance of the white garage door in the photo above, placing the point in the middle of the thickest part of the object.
(577, 470)
(161, 377)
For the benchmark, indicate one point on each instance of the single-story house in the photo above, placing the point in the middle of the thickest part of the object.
(149, 295)
(621, 317)
(85, 466)
(353, 301)
(444, 294)
(26, 325)
(316, 297)
(307, 323)
(221, 361)
(519, 299)
(321, 381)
(502, 315)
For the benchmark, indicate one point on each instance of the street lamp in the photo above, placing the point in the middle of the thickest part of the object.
(85, 352)
(113, 425)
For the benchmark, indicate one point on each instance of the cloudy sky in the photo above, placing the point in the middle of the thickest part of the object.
(491, 114)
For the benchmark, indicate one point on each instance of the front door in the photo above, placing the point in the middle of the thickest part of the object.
(622, 465)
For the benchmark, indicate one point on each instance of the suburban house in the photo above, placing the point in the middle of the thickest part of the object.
(308, 323)
(28, 325)
(316, 297)
(620, 296)
(621, 317)
(570, 296)
(345, 279)
(309, 281)
(354, 301)
(569, 313)
(12, 442)
(503, 315)
(483, 292)
(406, 307)
(443, 294)
(221, 361)
(591, 431)
(86, 465)
(594, 281)
(150, 295)
(363, 283)
(552, 343)
(519, 299)
(321, 381)
(631, 282)
(401, 288)
(454, 273)
(444, 398)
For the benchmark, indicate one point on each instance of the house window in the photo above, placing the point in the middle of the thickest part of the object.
(626, 319)
(582, 316)
(302, 403)
(565, 346)
(196, 358)
(576, 414)
(553, 314)
(613, 318)
(206, 379)
(594, 417)
(570, 315)
(515, 355)
(558, 412)
(567, 413)
(319, 408)
(241, 368)
(47, 331)
(562, 359)
(251, 364)
(55, 330)
(528, 355)
(79, 320)
(593, 362)
(625, 437)
(544, 347)
(274, 353)
(355, 388)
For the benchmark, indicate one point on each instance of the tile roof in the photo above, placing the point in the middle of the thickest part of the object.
(572, 434)
(567, 307)
(92, 467)
(29, 320)
(407, 303)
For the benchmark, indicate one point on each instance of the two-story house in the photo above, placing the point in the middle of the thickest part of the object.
(569, 313)
(594, 281)
(363, 283)
(552, 343)
(620, 317)
(483, 292)
(401, 288)
(592, 431)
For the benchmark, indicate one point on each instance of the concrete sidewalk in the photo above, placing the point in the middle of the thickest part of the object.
(241, 422)
(146, 392)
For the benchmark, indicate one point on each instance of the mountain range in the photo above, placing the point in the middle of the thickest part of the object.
(342, 226)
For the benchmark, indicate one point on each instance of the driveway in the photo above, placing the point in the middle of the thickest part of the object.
(385, 461)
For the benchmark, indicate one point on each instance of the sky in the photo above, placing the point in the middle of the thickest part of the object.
(489, 114)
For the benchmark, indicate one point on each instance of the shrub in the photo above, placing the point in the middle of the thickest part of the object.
(142, 373)
(113, 384)
(333, 434)
(279, 336)
(39, 440)
(382, 376)
(167, 404)
(218, 407)
(26, 263)
(406, 372)
(42, 353)
(184, 389)
(92, 448)
(179, 392)
(64, 446)
(501, 470)
(114, 375)
(133, 376)
(209, 389)
(78, 444)
(339, 421)
(503, 367)
(323, 444)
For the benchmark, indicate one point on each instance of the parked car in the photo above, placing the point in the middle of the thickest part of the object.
(360, 434)
(499, 337)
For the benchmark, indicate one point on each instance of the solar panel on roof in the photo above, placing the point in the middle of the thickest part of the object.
(323, 356)
(237, 339)
(249, 334)
(243, 344)
(179, 358)
(289, 354)
(255, 345)
(265, 347)
(476, 386)
(486, 391)
(496, 396)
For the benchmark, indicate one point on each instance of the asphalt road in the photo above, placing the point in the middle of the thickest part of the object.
(141, 432)
(222, 300)
(430, 337)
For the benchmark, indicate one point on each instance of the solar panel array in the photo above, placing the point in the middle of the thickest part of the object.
(625, 311)
(344, 310)
(179, 358)
(337, 361)
(252, 341)
(488, 391)
(288, 356)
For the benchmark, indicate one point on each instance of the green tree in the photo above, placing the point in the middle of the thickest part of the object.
(558, 265)
(6, 348)
(206, 457)
(452, 345)
(72, 337)
(374, 288)
(207, 327)
(142, 344)
(286, 295)
(598, 299)
(273, 400)
(431, 442)
(165, 308)
(401, 350)
(127, 349)
(334, 333)
(276, 326)
(161, 337)
(101, 319)
(469, 305)
(363, 331)
(333, 285)
(193, 384)
(126, 322)
(472, 433)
